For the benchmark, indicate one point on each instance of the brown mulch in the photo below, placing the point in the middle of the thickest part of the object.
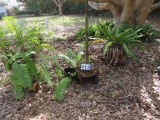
(130, 92)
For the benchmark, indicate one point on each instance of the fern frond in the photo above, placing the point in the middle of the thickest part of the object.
(45, 74)
(31, 66)
(61, 87)
(22, 75)
(67, 59)
(58, 72)
(19, 92)
(70, 53)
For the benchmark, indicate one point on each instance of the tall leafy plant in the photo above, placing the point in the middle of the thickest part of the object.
(20, 46)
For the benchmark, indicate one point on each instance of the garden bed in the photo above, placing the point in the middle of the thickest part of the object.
(127, 92)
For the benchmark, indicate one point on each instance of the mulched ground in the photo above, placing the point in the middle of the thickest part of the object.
(130, 92)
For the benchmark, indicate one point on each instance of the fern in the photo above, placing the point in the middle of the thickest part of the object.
(71, 58)
(18, 92)
(61, 87)
(45, 74)
(24, 71)
(20, 78)
(22, 74)
(58, 72)
(70, 53)
(31, 66)
(70, 61)
(17, 42)
(124, 38)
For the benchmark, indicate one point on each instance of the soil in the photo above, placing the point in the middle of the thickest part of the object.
(129, 92)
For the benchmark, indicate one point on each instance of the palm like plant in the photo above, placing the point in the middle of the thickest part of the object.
(117, 41)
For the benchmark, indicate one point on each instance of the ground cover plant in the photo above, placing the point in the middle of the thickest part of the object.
(126, 92)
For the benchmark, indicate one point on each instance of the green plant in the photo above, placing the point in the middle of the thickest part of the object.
(72, 60)
(21, 46)
(93, 30)
(146, 32)
(61, 87)
(117, 42)
(21, 37)
(23, 73)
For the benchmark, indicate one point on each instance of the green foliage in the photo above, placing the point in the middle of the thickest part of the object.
(61, 87)
(19, 46)
(20, 37)
(71, 58)
(40, 6)
(146, 32)
(24, 72)
(93, 30)
(23, 69)
(123, 38)
(44, 72)
(71, 7)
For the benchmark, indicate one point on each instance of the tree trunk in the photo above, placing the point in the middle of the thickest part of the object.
(59, 3)
(131, 12)
(60, 7)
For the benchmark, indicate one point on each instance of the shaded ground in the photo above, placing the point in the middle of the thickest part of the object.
(130, 92)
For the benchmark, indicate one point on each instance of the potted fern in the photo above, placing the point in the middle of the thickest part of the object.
(116, 47)
(20, 46)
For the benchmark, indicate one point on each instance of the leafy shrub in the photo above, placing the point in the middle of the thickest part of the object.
(20, 45)
(93, 30)
(20, 37)
(146, 32)
(71, 7)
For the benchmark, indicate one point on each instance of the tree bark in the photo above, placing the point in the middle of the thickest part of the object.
(132, 12)
(59, 3)
(155, 6)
